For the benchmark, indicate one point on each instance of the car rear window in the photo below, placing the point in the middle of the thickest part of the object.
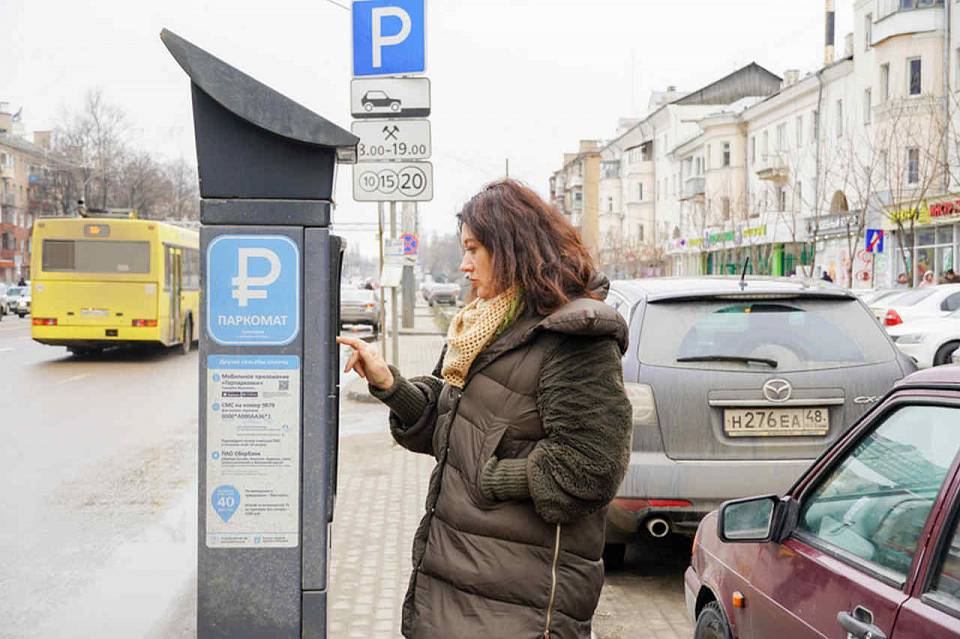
(913, 297)
(356, 295)
(795, 334)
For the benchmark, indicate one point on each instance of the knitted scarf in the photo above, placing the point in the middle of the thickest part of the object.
(473, 328)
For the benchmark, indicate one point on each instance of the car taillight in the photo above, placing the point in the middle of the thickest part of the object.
(892, 318)
(370, 307)
(635, 505)
(44, 321)
(143, 322)
(643, 404)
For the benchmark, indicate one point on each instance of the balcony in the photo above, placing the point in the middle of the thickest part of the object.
(694, 188)
(7, 173)
(574, 182)
(772, 167)
(903, 17)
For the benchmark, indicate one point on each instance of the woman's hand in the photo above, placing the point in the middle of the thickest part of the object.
(367, 362)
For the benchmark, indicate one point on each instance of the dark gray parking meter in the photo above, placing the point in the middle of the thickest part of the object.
(268, 354)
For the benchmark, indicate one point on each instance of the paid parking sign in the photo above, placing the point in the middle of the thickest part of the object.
(253, 290)
(389, 37)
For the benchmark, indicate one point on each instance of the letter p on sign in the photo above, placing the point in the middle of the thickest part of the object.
(245, 283)
(389, 37)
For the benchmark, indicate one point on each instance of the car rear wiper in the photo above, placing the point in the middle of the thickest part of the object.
(772, 363)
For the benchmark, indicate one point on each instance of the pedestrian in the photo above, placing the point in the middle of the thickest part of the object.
(22, 281)
(902, 281)
(949, 277)
(929, 279)
(826, 277)
(527, 417)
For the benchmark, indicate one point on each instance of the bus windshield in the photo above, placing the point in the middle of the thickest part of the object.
(96, 256)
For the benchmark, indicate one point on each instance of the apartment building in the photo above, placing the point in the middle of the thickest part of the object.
(21, 163)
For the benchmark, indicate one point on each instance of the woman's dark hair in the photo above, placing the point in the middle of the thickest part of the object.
(531, 243)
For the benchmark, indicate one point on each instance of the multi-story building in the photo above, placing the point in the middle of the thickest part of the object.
(793, 173)
(21, 167)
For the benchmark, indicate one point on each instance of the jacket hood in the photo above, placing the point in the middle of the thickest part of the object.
(585, 316)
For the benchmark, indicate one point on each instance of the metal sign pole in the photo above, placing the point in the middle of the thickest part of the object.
(383, 297)
(394, 321)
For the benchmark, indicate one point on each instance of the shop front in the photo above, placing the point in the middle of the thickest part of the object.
(931, 243)
(726, 252)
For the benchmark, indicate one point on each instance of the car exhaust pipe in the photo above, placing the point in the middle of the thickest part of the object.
(658, 527)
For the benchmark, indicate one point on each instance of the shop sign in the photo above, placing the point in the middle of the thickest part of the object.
(920, 216)
(945, 209)
(756, 231)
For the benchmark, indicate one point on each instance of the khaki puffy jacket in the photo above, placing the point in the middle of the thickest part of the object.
(529, 454)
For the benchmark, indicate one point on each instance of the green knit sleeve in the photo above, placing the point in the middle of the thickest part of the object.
(578, 467)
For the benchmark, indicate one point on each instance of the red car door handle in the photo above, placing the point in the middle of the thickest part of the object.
(857, 628)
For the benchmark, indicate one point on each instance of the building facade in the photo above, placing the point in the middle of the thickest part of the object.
(794, 173)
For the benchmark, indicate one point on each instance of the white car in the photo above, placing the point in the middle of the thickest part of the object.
(930, 342)
(917, 304)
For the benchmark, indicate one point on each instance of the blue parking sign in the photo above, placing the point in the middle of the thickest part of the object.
(253, 290)
(389, 37)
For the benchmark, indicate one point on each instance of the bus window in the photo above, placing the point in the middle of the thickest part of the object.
(191, 269)
(96, 256)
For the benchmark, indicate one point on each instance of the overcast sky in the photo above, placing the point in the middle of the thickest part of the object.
(517, 79)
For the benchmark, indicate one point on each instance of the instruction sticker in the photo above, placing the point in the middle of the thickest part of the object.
(253, 451)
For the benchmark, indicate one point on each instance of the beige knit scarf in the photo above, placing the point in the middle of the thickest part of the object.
(473, 328)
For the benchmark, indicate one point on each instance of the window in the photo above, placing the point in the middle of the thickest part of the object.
(798, 196)
(815, 127)
(782, 200)
(609, 204)
(951, 304)
(867, 31)
(726, 154)
(96, 256)
(913, 166)
(706, 157)
(753, 149)
(766, 144)
(915, 76)
(640, 191)
(839, 118)
(884, 82)
(640, 232)
(725, 207)
(782, 137)
(875, 503)
(798, 126)
(867, 107)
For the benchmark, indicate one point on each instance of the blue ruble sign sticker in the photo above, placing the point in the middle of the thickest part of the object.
(253, 290)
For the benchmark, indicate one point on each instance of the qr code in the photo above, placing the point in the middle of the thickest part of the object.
(284, 384)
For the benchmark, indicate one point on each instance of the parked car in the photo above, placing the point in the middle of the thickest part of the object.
(437, 289)
(930, 342)
(13, 297)
(379, 100)
(736, 385)
(874, 297)
(23, 303)
(359, 306)
(864, 544)
(4, 303)
(918, 303)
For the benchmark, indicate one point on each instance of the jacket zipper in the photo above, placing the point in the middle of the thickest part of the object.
(553, 584)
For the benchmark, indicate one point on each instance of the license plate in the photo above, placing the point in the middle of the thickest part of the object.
(94, 312)
(776, 422)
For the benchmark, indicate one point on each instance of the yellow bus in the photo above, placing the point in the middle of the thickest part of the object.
(108, 279)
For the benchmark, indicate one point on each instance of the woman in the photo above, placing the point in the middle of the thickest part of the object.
(528, 420)
(929, 279)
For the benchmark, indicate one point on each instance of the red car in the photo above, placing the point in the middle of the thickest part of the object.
(865, 544)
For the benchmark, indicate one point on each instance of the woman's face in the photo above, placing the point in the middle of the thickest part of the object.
(478, 265)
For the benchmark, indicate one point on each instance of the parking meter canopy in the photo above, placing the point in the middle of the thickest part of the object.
(253, 142)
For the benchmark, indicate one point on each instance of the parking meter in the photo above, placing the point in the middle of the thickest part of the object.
(268, 355)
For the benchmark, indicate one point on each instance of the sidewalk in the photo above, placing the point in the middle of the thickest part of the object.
(380, 501)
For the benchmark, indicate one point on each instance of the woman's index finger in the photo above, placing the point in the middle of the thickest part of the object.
(352, 342)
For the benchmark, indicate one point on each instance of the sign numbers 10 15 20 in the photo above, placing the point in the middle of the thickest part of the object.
(393, 181)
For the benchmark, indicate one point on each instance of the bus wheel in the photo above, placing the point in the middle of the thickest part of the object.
(187, 338)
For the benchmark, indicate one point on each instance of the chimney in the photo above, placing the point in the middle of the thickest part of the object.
(790, 77)
(828, 49)
(848, 45)
(6, 118)
(42, 139)
(588, 145)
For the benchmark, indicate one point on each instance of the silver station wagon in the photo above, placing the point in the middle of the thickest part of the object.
(737, 386)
